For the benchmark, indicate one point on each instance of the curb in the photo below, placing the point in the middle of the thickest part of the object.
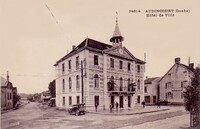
(135, 113)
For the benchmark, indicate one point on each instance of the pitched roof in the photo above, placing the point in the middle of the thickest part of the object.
(93, 45)
(149, 80)
(183, 65)
(87, 43)
(3, 81)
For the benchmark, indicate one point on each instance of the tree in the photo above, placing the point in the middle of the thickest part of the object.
(191, 98)
(52, 88)
(16, 98)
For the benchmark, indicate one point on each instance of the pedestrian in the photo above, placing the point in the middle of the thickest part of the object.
(143, 103)
(158, 104)
(96, 105)
(110, 107)
(116, 104)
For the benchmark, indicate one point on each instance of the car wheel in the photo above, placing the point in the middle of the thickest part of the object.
(77, 113)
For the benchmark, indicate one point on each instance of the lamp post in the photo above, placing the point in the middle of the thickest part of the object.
(82, 92)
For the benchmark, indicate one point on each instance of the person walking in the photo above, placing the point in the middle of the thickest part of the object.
(110, 107)
(96, 105)
(143, 103)
(116, 104)
(158, 104)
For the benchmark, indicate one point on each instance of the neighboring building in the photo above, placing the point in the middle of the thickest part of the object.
(173, 82)
(151, 91)
(7, 90)
(109, 75)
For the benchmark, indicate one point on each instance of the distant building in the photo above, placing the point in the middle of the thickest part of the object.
(110, 73)
(7, 91)
(173, 82)
(151, 91)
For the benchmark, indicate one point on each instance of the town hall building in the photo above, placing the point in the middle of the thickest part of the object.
(99, 73)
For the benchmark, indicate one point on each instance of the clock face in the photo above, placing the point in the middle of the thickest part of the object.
(120, 51)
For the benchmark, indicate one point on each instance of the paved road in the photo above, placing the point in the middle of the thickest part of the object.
(37, 116)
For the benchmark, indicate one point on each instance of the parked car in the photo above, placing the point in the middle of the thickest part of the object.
(52, 102)
(77, 109)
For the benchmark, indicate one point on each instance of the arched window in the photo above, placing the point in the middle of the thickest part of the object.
(112, 79)
(77, 82)
(70, 83)
(96, 81)
(138, 84)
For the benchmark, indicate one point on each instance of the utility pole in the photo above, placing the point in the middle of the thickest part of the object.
(82, 82)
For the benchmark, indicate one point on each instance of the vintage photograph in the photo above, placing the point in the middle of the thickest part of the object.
(72, 64)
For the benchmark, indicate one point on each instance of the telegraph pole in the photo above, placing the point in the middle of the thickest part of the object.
(82, 82)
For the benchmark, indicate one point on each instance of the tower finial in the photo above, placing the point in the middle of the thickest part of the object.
(7, 76)
(116, 17)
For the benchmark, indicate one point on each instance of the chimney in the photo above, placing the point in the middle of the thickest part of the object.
(177, 60)
(73, 47)
(191, 65)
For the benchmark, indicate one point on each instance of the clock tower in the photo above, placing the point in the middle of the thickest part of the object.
(117, 38)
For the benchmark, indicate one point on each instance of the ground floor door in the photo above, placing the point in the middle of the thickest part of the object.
(154, 99)
(121, 101)
(112, 101)
(129, 101)
(96, 100)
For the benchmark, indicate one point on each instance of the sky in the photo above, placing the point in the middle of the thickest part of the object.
(32, 40)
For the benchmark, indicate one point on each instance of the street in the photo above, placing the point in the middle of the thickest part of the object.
(38, 116)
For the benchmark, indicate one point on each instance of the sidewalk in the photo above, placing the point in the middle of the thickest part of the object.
(130, 111)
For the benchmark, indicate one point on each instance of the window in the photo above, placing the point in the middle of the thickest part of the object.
(69, 64)
(63, 100)
(77, 99)
(77, 62)
(182, 95)
(138, 84)
(63, 85)
(120, 64)
(96, 81)
(145, 89)
(165, 85)
(112, 63)
(70, 100)
(70, 83)
(121, 83)
(77, 82)
(138, 68)
(169, 75)
(129, 81)
(182, 84)
(96, 61)
(129, 66)
(112, 79)
(63, 68)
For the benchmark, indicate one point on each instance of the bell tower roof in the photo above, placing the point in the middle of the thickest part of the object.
(117, 38)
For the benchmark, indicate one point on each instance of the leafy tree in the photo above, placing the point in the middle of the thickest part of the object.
(16, 98)
(52, 88)
(191, 96)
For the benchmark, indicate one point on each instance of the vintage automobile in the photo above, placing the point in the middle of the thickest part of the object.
(77, 109)
(52, 102)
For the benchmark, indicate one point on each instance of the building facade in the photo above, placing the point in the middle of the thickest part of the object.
(151, 91)
(172, 84)
(7, 91)
(99, 73)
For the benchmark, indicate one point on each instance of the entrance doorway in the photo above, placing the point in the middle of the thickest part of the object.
(121, 101)
(129, 101)
(96, 100)
(112, 101)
